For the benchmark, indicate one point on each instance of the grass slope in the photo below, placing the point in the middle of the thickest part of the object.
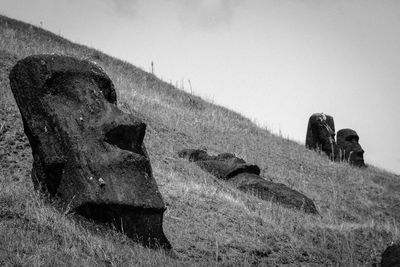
(206, 221)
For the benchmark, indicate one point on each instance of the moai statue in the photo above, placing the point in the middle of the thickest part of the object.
(321, 133)
(246, 177)
(87, 153)
(348, 147)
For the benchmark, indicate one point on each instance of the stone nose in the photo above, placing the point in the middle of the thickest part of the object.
(357, 152)
(126, 134)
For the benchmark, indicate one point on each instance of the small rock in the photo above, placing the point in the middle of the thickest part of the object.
(391, 256)
(102, 182)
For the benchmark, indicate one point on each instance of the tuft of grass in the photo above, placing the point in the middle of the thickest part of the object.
(207, 221)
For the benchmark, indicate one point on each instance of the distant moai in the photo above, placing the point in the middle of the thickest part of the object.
(321, 133)
(321, 137)
(348, 147)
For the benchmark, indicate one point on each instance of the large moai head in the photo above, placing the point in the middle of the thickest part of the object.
(348, 147)
(321, 133)
(87, 153)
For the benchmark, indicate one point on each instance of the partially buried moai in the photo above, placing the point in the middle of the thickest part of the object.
(349, 148)
(246, 177)
(321, 133)
(88, 153)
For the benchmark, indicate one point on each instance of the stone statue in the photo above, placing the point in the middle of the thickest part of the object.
(246, 177)
(321, 133)
(348, 147)
(87, 153)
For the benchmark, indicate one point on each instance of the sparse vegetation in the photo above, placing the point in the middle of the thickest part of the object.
(207, 221)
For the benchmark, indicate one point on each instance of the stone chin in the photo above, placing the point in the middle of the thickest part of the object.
(357, 159)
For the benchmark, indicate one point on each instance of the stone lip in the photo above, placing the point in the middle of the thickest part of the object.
(245, 177)
(87, 153)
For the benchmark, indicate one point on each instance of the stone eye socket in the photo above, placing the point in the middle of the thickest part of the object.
(352, 138)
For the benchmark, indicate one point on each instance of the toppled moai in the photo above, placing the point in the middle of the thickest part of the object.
(87, 153)
(246, 177)
(321, 133)
(348, 147)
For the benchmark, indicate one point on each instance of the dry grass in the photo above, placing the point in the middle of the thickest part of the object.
(207, 221)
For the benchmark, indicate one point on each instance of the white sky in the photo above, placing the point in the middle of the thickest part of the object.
(276, 62)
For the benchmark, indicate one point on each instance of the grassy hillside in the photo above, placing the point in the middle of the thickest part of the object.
(207, 221)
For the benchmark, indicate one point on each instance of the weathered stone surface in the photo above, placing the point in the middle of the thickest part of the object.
(321, 133)
(391, 256)
(87, 153)
(245, 177)
(223, 166)
(348, 147)
(275, 192)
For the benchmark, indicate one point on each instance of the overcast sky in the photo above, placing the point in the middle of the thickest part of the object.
(276, 62)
